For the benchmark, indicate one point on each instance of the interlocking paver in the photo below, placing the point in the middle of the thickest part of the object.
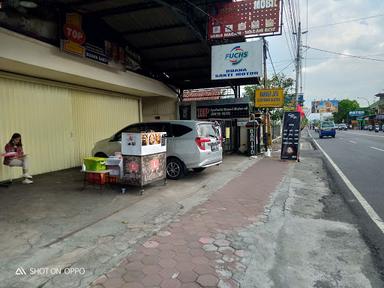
(206, 240)
(150, 260)
(133, 285)
(169, 273)
(151, 280)
(170, 283)
(151, 269)
(133, 276)
(167, 263)
(202, 248)
(187, 276)
(114, 283)
(151, 244)
(204, 269)
(221, 243)
(208, 280)
(135, 265)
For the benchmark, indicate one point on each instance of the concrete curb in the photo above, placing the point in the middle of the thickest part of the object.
(370, 230)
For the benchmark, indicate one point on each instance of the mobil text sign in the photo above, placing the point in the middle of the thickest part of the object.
(245, 18)
(269, 98)
(237, 60)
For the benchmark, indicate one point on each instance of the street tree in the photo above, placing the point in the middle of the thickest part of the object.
(345, 106)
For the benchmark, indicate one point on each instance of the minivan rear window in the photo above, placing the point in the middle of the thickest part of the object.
(206, 130)
(180, 130)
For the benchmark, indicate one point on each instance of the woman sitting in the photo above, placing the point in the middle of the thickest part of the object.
(15, 157)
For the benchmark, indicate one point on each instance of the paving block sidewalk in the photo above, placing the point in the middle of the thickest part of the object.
(196, 249)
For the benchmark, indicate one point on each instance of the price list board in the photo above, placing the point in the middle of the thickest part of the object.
(291, 136)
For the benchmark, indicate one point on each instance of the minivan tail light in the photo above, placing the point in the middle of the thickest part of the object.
(200, 142)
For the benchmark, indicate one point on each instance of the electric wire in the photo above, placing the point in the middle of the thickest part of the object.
(346, 21)
(347, 55)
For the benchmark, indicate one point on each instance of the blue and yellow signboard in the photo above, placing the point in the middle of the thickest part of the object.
(269, 98)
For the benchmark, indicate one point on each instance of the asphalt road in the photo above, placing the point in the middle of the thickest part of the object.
(360, 156)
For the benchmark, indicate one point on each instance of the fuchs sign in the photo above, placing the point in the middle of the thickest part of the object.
(244, 18)
(236, 61)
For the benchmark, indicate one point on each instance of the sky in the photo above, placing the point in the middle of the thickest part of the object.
(330, 76)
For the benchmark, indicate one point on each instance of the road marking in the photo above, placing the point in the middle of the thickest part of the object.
(363, 134)
(367, 207)
(353, 142)
(377, 149)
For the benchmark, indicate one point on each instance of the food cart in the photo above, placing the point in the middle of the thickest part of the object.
(144, 158)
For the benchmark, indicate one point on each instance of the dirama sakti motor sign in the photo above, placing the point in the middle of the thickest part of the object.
(237, 60)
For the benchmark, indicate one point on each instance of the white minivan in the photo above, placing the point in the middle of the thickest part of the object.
(190, 144)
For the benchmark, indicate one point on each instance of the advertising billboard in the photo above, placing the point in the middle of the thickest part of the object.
(237, 60)
(325, 106)
(269, 98)
(291, 136)
(244, 18)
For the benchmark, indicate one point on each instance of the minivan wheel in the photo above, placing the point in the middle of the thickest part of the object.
(200, 169)
(175, 168)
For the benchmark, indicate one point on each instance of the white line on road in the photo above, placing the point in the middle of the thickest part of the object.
(363, 134)
(353, 142)
(377, 148)
(367, 207)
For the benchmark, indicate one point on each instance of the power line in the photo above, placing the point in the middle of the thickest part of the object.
(347, 21)
(293, 61)
(344, 54)
(270, 59)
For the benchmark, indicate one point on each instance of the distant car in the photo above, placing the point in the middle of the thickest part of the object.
(190, 144)
(377, 128)
(342, 126)
(327, 128)
(370, 127)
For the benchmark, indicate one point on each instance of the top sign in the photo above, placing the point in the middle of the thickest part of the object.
(243, 18)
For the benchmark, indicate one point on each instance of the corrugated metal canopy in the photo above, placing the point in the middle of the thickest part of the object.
(169, 35)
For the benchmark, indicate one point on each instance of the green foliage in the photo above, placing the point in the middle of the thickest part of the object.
(345, 106)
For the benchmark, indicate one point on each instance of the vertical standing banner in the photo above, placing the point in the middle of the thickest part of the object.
(291, 136)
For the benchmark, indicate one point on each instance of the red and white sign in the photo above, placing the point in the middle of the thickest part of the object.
(246, 18)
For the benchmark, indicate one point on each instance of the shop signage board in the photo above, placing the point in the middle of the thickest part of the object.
(291, 136)
(80, 37)
(140, 144)
(246, 18)
(269, 98)
(356, 113)
(237, 60)
(226, 111)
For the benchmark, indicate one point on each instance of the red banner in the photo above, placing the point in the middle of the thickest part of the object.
(246, 18)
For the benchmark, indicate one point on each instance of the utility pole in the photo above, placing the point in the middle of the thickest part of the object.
(298, 63)
(266, 114)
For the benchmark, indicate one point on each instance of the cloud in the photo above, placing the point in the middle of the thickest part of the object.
(334, 76)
